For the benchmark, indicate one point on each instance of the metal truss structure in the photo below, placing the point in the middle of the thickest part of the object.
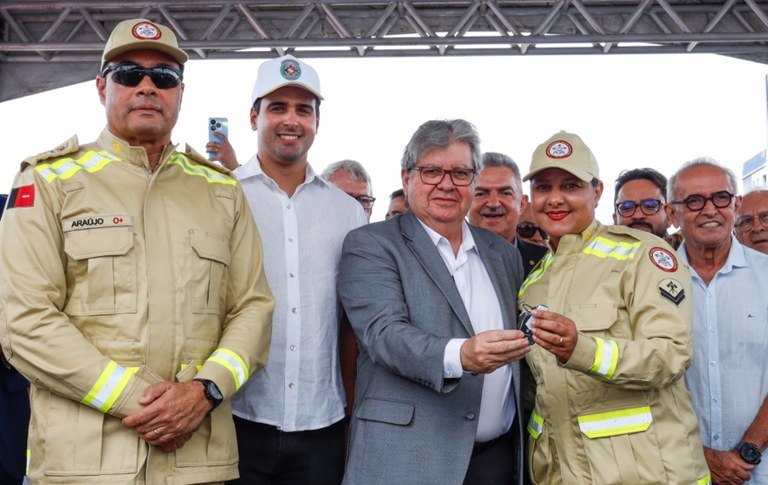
(47, 44)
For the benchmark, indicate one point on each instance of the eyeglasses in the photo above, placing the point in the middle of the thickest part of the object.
(696, 202)
(461, 177)
(745, 223)
(648, 206)
(130, 74)
(365, 200)
(527, 230)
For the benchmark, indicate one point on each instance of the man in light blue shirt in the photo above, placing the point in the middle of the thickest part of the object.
(728, 379)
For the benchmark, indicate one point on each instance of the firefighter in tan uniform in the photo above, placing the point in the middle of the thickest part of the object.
(132, 288)
(610, 354)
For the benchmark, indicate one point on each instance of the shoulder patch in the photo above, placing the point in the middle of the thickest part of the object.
(663, 259)
(69, 146)
(672, 290)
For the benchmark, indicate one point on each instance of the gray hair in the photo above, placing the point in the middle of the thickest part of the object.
(495, 159)
(353, 168)
(730, 177)
(440, 134)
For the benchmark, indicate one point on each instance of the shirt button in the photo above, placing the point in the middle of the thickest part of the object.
(294, 310)
(288, 206)
(469, 416)
(711, 329)
(712, 363)
(714, 399)
(292, 274)
(290, 239)
(293, 347)
(290, 386)
(716, 437)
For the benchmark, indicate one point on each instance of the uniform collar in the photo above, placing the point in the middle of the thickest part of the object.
(133, 154)
(574, 242)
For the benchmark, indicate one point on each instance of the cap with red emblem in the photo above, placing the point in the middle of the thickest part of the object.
(135, 34)
(566, 151)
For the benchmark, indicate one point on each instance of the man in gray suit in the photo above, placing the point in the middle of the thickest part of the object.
(432, 302)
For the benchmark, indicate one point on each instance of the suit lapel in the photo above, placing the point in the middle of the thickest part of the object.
(494, 265)
(422, 247)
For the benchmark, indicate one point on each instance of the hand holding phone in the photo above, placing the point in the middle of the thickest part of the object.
(216, 126)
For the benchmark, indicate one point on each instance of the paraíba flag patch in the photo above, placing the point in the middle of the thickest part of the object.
(22, 197)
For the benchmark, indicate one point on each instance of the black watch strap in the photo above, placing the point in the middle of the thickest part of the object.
(212, 392)
(749, 452)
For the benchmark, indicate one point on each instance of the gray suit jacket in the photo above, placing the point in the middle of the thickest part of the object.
(409, 424)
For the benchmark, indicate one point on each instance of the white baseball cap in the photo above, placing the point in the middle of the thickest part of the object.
(285, 71)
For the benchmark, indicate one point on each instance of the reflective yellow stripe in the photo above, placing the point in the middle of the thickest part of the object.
(191, 168)
(537, 274)
(705, 481)
(29, 455)
(199, 366)
(233, 363)
(606, 358)
(614, 423)
(107, 389)
(66, 167)
(605, 248)
(535, 425)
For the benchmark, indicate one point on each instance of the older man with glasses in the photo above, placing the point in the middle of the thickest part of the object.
(351, 177)
(752, 220)
(728, 378)
(432, 302)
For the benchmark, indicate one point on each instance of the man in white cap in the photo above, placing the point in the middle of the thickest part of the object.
(289, 419)
(132, 288)
(610, 351)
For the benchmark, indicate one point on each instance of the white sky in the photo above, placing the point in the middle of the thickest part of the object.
(632, 111)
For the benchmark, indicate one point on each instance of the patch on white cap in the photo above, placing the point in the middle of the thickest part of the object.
(663, 259)
(559, 149)
(146, 31)
(290, 69)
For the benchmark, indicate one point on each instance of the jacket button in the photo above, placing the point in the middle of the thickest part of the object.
(469, 416)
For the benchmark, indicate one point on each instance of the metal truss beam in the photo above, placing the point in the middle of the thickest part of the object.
(37, 35)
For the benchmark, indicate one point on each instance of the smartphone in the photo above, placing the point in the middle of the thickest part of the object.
(215, 126)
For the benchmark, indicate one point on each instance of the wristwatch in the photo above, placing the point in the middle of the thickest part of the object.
(212, 392)
(749, 452)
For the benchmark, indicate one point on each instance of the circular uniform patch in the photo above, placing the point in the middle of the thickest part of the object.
(146, 31)
(663, 259)
(559, 149)
(290, 69)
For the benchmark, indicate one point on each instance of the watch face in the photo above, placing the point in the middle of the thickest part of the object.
(750, 453)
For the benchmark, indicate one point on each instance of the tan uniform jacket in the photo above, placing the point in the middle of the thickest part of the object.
(618, 411)
(113, 278)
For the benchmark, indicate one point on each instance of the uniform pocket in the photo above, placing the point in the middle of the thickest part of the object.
(80, 447)
(208, 281)
(593, 318)
(621, 446)
(101, 272)
(214, 443)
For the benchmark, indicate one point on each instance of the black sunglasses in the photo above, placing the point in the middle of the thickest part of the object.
(130, 74)
(527, 230)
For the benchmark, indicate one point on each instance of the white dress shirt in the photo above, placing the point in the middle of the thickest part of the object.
(497, 405)
(300, 388)
(728, 378)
